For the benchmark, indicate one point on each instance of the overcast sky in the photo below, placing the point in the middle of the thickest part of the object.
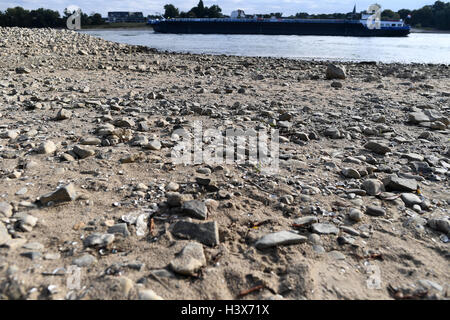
(249, 6)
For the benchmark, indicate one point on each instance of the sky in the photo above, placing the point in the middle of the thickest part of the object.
(287, 7)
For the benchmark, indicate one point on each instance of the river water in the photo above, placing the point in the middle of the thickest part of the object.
(416, 48)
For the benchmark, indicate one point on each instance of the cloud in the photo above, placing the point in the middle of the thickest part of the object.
(249, 6)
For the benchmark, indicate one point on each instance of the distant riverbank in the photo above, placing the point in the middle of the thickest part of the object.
(142, 25)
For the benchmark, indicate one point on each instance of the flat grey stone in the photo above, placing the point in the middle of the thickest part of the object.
(324, 228)
(394, 183)
(279, 238)
(377, 147)
(196, 209)
(336, 255)
(120, 228)
(305, 221)
(206, 233)
(84, 261)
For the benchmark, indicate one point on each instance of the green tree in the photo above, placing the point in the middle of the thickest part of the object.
(389, 15)
(214, 11)
(403, 13)
(96, 19)
(171, 11)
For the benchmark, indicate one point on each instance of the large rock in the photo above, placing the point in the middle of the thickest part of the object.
(336, 72)
(394, 183)
(190, 260)
(206, 233)
(377, 147)
(63, 194)
(279, 238)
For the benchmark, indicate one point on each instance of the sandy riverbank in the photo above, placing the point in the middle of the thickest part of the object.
(362, 182)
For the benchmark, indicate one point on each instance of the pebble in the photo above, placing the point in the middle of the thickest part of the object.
(324, 228)
(196, 209)
(206, 233)
(375, 211)
(190, 260)
(279, 238)
(85, 260)
(63, 194)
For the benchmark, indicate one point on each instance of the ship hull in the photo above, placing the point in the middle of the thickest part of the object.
(277, 28)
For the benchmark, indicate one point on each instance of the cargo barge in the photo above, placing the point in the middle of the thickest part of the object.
(363, 27)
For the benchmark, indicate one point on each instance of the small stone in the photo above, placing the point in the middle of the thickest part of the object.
(120, 228)
(174, 199)
(35, 246)
(196, 209)
(377, 147)
(91, 141)
(126, 284)
(350, 230)
(351, 173)
(148, 294)
(190, 260)
(336, 255)
(373, 187)
(279, 238)
(410, 199)
(153, 145)
(52, 256)
(439, 224)
(84, 261)
(5, 209)
(305, 221)
(32, 255)
(173, 186)
(355, 215)
(4, 234)
(206, 233)
(63, 114)
(63, 194)
(375, 211)
(83, 152)
(47, 147)
(335, 72)
(324, 228)
(98, 240)
(314, 238)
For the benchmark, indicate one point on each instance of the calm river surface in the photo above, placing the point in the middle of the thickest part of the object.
(418, 47)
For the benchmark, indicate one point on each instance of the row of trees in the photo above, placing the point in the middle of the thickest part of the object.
(200, 11)
(43, 18)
